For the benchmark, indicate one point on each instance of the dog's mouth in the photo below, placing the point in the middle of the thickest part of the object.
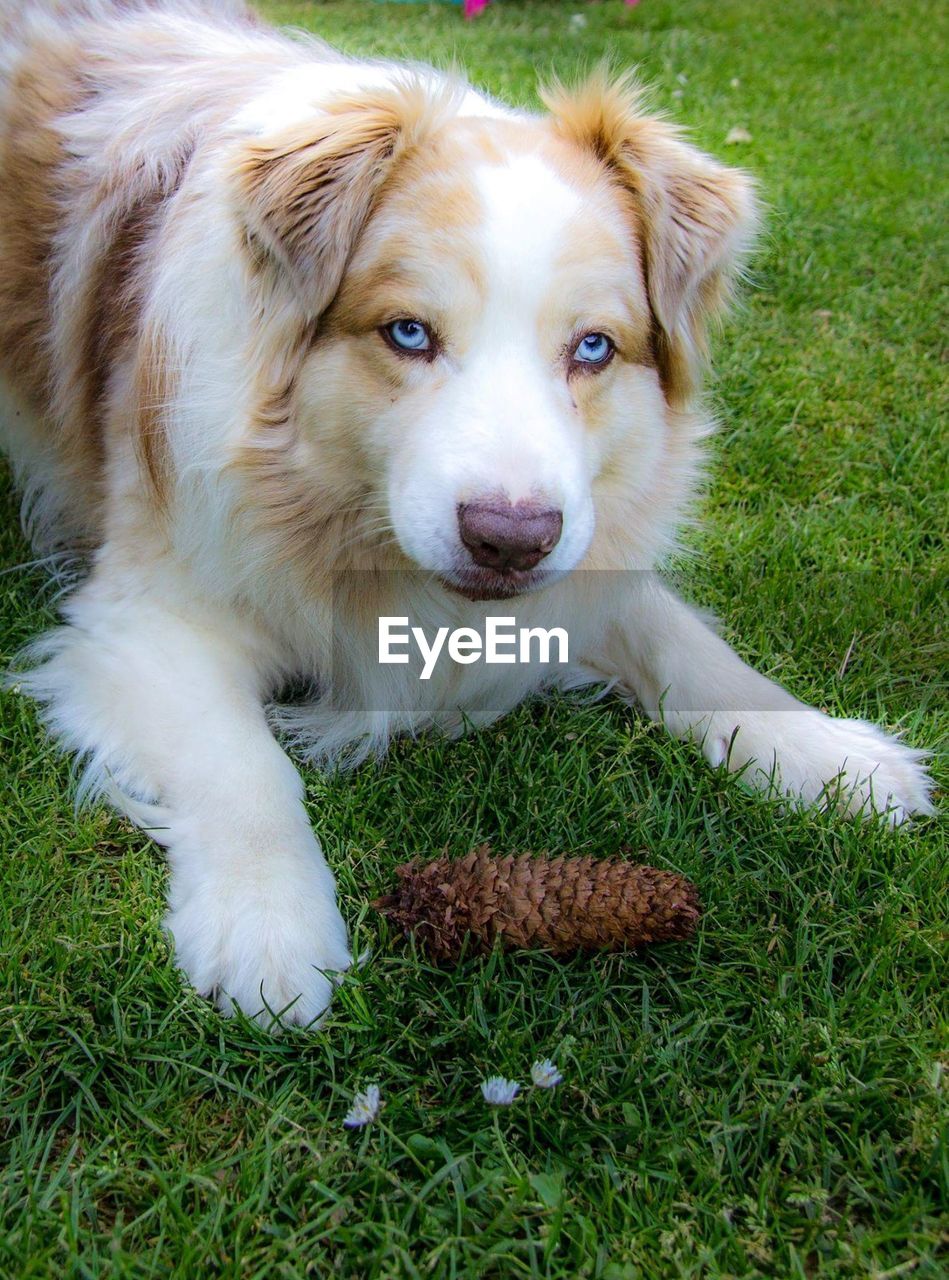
(495, 584)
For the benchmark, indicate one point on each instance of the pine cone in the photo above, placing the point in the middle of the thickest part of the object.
(561, 905)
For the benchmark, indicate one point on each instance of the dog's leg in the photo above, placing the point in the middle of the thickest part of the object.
(688, 677)
(163, 696)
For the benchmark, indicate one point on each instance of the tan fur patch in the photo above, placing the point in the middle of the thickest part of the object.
(423, 230)
(309, 192)
(694, 215)
(31, 158)
(112, 319)
(40, 186)
(153, 387)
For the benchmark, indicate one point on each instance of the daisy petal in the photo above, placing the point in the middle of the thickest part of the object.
(498, 1092)
(545, 1075)
(365, 1108)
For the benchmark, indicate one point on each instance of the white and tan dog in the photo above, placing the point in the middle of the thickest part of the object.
(291, 342)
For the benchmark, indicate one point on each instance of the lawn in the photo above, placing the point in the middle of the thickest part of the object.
(765, 1101)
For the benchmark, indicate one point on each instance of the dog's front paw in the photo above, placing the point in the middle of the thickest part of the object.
(271, 947)
(820, 760)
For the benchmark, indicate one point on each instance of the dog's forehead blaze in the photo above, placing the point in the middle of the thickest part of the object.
(489, 202)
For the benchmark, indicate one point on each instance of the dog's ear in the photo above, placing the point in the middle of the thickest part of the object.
(696, 218)
(306, 193)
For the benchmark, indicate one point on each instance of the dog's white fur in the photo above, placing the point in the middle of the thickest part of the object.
(260, 478)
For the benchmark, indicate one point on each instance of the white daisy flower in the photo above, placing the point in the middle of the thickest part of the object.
(498, 1092)
(545, 1074)
(365, 1108)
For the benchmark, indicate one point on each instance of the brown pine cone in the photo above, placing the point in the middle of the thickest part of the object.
(561, 905)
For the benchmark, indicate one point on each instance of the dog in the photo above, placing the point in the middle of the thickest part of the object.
(292, 343)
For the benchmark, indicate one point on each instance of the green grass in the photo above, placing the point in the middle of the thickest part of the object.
(765, 1102)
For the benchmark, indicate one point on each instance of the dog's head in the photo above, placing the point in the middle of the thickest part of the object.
(508, 316)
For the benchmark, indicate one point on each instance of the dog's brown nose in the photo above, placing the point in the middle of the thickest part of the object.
(502, 536)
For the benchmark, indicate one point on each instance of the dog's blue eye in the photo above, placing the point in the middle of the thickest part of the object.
(594, 348)
(409, 335)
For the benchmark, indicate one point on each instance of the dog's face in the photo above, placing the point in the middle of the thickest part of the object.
(495, 321)
(519, 304)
